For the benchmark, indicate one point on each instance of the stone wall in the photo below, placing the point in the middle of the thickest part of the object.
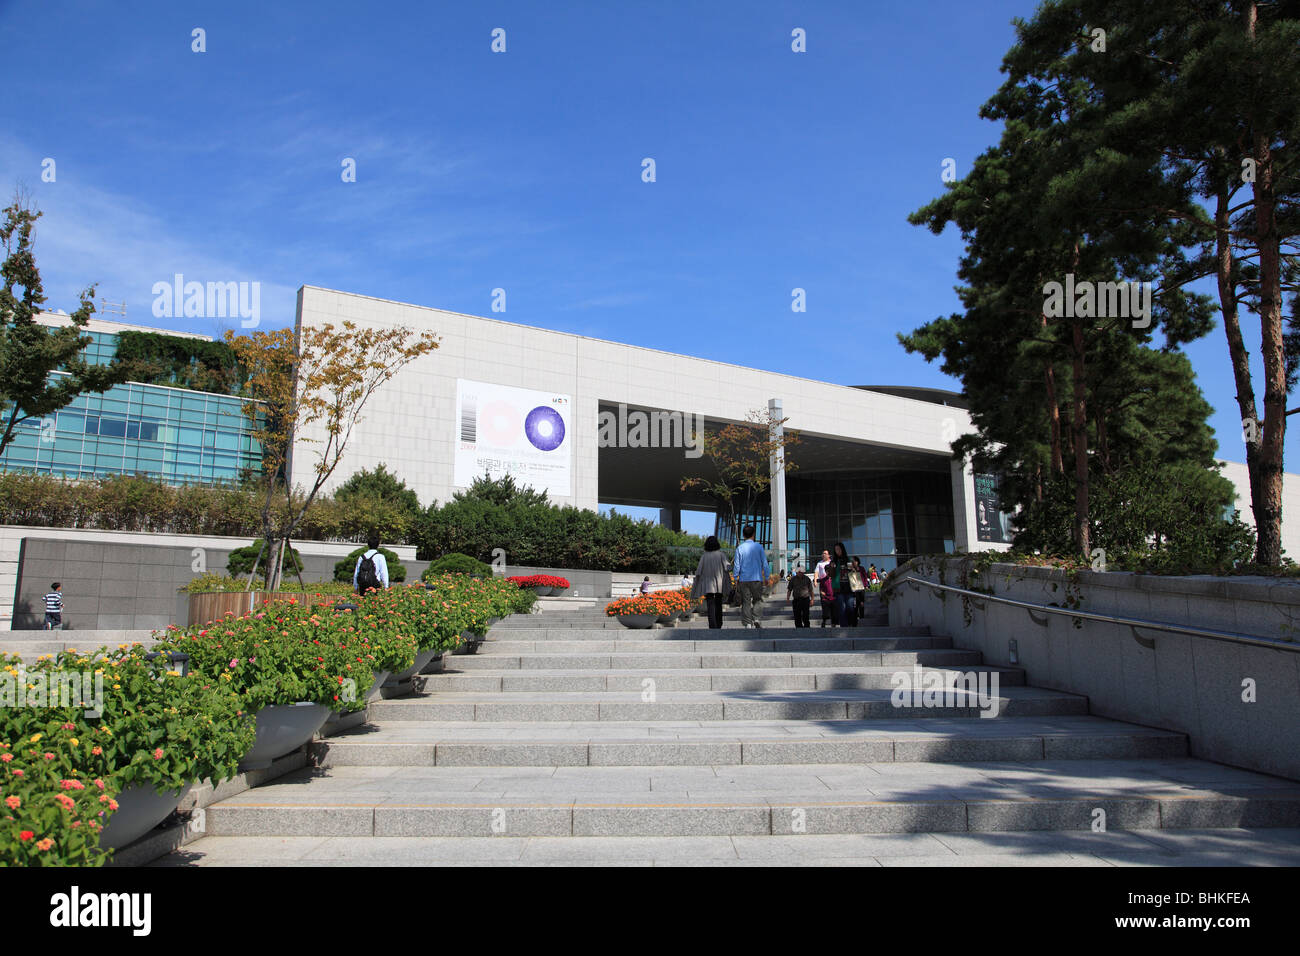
(1180, 682)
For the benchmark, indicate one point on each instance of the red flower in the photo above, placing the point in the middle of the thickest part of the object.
(26, 835)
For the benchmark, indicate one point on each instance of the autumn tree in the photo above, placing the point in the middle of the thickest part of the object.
(741, 455)
(324, 378)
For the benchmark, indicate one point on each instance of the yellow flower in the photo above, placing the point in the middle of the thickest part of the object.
(36, 737)
(75, 742)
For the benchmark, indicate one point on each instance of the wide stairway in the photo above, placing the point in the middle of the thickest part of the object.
(569, 739)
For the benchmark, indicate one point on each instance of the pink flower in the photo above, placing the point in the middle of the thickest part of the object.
(6, 757)
(234, 662)
(13, 803)
(72, 785)
(157, 754)
(65, 801)
(18, 773)
(99, 783)
(45, 844)
(49, 756)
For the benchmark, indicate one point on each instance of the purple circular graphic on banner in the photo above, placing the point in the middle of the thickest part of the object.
(544, 428)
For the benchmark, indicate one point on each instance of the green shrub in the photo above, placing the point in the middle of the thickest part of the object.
(213, 581)
(240, 562)
(457, 564)
(344, 569)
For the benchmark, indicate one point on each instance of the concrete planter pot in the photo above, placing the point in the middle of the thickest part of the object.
(140, 808)
(282, 729)
(637, 621)
(667, 620)
(435, 665)
(378, 685)
(469, 643)
(422, 658)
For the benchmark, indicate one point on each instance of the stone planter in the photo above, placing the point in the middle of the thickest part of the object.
(282, 729)
(378, 685)
(422, 658)
(435, 665)
(667, 620)
(140, 808)
(469, 643)
(637, 621)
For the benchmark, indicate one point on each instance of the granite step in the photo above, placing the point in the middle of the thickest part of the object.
(818, 705)
(1137, 847)
(670, 635)
(760, 800)
(676, 660)
(687, 642)
(628, 743)
(731, 679)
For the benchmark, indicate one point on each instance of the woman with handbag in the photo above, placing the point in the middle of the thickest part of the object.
(858, 584)
(712, 580)
(837, 572)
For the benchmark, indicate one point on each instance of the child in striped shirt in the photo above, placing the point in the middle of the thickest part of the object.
(54, 608)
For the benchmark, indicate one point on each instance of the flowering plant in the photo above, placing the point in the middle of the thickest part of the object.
(540, 581)
(286, 653)
(154, 728)
(50, 814)
(658, 603)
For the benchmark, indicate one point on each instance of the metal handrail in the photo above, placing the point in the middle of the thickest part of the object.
(1134, 623)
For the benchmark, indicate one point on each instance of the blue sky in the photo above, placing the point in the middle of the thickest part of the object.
(522, 170)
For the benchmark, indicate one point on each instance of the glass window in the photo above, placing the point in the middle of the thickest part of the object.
(188, 436)
(114, 427)
(148, 431)
(132, 429)
(92, 426)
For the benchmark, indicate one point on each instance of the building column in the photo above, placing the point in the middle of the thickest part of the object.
(671, 517)
(780, 543)
(963, 507)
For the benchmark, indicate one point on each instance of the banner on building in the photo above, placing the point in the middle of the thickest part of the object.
(504, 430)
(991, 523)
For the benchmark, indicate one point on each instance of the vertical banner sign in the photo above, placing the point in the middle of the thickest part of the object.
(503, 430)
(990, 522)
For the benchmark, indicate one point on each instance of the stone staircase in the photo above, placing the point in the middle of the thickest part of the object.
(570, 738)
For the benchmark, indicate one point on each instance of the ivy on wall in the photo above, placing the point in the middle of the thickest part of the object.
(183, 362)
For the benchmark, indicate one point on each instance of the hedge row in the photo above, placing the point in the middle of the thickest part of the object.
(490, 517)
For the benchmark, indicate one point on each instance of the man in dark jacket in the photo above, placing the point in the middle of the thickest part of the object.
(799, 590)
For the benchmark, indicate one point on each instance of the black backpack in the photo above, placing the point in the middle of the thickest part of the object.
(367, 576)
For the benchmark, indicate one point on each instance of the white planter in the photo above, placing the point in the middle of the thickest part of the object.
(380, 677)
(421, 659)
(140, 808)
(282, 729)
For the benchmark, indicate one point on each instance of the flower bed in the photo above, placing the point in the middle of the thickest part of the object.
(540, 581)
(658, 603)
(155, 730)
(61, 770)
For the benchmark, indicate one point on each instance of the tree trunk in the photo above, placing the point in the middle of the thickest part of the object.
(1053, 413)
(1082, 529)
(1268, 503)
(1224, 268)
(1079, 429)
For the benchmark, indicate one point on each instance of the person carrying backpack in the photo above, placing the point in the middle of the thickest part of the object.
(372, 570)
